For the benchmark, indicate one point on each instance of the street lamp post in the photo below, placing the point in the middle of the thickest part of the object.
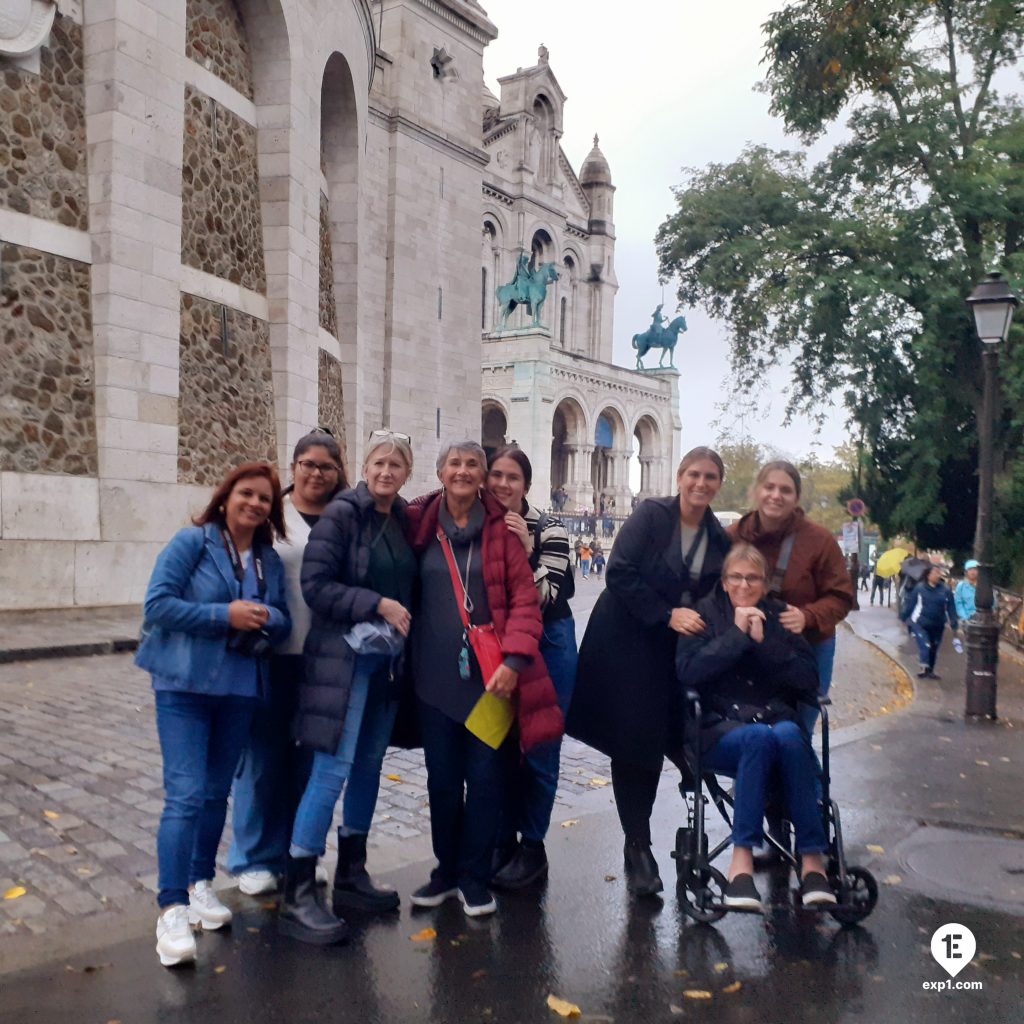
(993, 304)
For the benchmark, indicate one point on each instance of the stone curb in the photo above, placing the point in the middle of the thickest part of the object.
(114, 646)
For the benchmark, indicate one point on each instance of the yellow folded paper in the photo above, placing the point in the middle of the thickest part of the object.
(491, 719)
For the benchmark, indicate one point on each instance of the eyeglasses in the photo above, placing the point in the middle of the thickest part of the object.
(736, 578)
(323, 468)
(390, 433)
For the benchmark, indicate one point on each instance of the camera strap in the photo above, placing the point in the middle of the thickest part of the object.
(239, 569)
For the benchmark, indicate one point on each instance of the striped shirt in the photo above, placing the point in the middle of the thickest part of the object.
(550, 561)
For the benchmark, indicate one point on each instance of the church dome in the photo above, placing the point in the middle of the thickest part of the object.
(595, 170)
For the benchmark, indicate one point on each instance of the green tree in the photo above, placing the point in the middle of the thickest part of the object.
(856, 268)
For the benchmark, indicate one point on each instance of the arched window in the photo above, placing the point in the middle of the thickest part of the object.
(483, 298)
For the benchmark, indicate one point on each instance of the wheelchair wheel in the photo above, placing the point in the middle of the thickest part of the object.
(701, 893)
(859, 899)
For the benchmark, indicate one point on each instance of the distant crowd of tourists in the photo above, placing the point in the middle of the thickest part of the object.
(294, 634)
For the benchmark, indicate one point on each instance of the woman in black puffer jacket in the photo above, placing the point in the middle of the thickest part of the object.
(751, 674)
(357, 571)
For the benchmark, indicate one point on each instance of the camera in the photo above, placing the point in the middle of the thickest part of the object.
(251, 643)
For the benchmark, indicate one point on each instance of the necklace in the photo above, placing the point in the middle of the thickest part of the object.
(467, 601)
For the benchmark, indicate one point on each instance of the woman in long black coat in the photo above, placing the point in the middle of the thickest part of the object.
(667, 556)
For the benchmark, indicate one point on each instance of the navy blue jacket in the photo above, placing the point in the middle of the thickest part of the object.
(930, 606)
(185, 631)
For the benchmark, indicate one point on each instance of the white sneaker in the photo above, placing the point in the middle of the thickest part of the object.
(205, 909)
(175, 942)
(321, 874)
(258, 882)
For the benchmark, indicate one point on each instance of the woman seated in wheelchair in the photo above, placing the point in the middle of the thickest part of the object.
(751, 673)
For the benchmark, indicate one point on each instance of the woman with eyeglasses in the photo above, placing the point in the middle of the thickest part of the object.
(753, 674)
(667, 556)
(358, 574)
(274, 770)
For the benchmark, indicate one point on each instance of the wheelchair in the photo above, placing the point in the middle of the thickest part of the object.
(701, 885)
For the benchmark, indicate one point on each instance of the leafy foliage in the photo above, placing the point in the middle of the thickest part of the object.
(856, 268)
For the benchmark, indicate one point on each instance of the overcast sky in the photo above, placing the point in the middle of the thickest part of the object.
(667, 84)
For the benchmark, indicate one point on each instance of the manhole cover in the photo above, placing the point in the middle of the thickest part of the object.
(980, 869)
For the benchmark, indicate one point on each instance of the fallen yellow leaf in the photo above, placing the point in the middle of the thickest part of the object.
(609, 878)
(570, 822)
(697, 993)
(982, 764)
(892, 880)
(52, 815)
(875, 848)
(219, 969)
(424, 936)
(598, 781)
(13, 894)
(563, 1007)
(676, 1011)
(721, 967)
(734, 987)
(394, 778)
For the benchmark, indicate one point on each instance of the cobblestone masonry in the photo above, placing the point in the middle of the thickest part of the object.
(42, 133)
(216, 41)
(226, 400)
(328, 307)
(331, 411)
(47, 401)
(221, 227)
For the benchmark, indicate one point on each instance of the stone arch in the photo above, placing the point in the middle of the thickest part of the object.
(610, 452)
(569, 443)
(648, 456)
(493, 425)
(542, 246)
(490, 270)
(545, 125)
(568, 288)
(339, 206)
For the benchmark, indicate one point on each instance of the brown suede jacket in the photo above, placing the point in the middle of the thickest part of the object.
(816, 579)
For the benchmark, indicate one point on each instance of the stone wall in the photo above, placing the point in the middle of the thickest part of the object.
(216, 41)
(331, 407)
(42, 133)
(221, 227)
(47, 401)
(328, 307)
(226, 399)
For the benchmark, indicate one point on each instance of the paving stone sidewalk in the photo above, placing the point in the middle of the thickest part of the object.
(80, 782)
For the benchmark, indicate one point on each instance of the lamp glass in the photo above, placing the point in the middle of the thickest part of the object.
(992, 320)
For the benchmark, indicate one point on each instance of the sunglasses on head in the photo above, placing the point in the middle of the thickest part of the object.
(390, 433)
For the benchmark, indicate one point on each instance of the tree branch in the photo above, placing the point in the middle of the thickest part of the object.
(954, 81)
(982, 97)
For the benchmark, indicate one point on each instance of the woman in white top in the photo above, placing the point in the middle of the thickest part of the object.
(274, 770)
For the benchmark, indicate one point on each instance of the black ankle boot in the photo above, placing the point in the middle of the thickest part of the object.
(303, 914)
(529, 864)
(642, 878)
(353, 889)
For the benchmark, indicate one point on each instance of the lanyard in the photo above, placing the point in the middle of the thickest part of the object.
(239, 570)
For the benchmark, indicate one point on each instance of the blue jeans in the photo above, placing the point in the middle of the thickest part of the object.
(271, 777)
(534, 781)
(585, 567)
(928, 640)
(750, 754)
(465, 780)
(825, 656)
(201, 739)
(364, 741)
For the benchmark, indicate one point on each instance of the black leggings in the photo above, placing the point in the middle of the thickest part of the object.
(635, 789)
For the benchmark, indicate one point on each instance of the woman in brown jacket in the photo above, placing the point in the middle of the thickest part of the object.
(806, 567)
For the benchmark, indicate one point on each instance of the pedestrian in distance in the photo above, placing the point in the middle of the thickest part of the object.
(667, 556)
(521, 858)
(577, 546)
(586, 555)
(965, 594)
(865, 576)
(752, 674)
(214, 609)
(880, 586)
(274, 769)
(358, 577)
(925, 610)
(599, 563)
(477, 606)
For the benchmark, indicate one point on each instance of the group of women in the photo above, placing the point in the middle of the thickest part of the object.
(286, 631)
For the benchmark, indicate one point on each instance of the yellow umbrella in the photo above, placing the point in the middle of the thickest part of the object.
(889, 563)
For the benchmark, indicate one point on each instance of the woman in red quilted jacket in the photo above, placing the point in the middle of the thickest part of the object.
(492, 582)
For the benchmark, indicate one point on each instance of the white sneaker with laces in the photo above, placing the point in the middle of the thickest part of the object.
(258, 882)
(205, 909)
(175, 942)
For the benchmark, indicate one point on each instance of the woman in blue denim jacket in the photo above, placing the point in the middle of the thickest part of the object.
(214, 606)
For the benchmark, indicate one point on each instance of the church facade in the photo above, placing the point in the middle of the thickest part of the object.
(225, 222)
